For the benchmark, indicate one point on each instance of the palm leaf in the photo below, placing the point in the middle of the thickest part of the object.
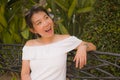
(62, 28)
(1, 28)
(61, 5)
(72, 8)
(84, 10)
(3, 21)
(25, 33)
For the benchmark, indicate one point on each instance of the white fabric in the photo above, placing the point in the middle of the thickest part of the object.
(48, 62)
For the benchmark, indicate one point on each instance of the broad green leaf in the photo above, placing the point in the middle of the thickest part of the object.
(92, 2)
(49, 2)
(62, 28)
(1, 28)
(59, 21)
(32, 1)
(58, 2)
(3, 21)
(2, 9)
(17, 38)
(72, 8)
(84, 10)
(23, 24)
(53, 6)
(25, 33)
(14, 78)
(12, 28)
(67, 3)
(86, 3)
(82, 2)
(7, 38)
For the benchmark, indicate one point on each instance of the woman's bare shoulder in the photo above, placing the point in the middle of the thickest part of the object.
(30, 42)
(61, 37)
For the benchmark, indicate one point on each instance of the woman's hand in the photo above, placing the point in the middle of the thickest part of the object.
(81, 56)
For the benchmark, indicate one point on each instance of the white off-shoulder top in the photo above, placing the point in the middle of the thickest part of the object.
(48, 62)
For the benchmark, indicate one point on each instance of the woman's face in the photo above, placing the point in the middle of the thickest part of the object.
(42, 24)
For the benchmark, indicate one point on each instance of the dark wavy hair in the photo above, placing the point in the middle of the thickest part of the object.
(29, 14)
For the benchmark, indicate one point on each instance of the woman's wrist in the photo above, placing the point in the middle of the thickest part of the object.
(86, 45)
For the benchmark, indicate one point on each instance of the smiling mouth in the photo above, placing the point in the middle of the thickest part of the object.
(48, 30)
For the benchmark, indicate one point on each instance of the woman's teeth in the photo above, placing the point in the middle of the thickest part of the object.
(48, 30)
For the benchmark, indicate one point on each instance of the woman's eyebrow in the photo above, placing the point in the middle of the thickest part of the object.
(45, 15)
(39, 19)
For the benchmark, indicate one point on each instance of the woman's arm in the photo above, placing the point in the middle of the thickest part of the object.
(25, 72)
(81, 54)
(90, 46)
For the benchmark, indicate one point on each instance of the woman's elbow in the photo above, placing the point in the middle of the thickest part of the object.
(91, 47)
(94, 48)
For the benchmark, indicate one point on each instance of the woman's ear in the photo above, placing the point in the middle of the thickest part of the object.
(32, 30)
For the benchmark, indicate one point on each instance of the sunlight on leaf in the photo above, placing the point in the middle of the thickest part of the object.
(84, 10)
(63, 29)
(61, 5)
(25, 33)
(72, 8)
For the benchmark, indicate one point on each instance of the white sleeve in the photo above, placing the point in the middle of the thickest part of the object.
(71, 43)
(27, 53)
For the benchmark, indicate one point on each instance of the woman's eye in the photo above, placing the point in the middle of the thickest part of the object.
(38, 23)
(46, 17)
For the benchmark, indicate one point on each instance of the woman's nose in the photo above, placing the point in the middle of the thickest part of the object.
(46, 23)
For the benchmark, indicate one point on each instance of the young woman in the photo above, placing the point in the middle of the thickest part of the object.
(44, 58)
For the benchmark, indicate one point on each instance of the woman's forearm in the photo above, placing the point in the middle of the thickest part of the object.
(89, 46)
(25, 77)
(25, 71)
(81, 54)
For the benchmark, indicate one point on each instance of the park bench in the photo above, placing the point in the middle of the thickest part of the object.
(100, 65)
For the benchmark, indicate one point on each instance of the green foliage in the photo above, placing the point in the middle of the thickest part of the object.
(103, 27)
(14, 78)
(69, 12)
(13, 28)
(90, 20)
(72, 8)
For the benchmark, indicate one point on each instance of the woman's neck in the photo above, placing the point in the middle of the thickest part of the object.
(47, 40)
